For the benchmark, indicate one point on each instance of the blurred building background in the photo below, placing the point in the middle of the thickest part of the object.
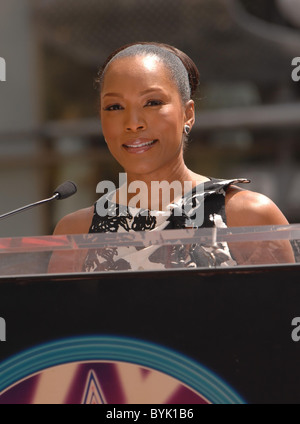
(248, 106)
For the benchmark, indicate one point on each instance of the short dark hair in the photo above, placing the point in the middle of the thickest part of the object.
(182, 68)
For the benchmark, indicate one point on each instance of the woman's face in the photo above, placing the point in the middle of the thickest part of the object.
(142, 115)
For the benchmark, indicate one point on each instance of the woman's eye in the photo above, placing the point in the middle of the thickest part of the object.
(154, 103)
(113, 107)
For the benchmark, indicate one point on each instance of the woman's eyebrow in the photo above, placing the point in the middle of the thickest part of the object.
(142, 93)
(113, 95)
(151, 90)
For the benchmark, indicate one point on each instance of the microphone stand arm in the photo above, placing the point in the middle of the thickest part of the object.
(55, 196)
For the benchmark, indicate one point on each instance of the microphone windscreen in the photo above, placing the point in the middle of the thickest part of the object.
(65, 190)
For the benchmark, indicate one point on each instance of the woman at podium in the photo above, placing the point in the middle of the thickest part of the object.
(147, 113)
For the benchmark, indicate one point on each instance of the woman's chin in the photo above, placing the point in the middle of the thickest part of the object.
(139, 172)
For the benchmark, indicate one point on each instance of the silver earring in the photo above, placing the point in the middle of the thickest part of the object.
(187, 129)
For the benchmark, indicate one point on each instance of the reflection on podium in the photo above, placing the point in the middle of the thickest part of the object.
(195, 316)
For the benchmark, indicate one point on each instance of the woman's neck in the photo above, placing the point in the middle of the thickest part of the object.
(156, 190)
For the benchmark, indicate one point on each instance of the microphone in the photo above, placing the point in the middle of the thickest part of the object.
(63, 191)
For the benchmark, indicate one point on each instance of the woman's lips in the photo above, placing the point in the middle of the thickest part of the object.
(140, 145)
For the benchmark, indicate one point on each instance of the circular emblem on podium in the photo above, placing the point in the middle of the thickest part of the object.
(109, 370)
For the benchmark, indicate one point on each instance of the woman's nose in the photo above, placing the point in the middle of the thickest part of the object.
(134, 121)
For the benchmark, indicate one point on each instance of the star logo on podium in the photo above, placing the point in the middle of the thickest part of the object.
(93, 394)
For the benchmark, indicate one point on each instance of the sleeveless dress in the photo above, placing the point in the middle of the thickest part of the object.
(211, 198)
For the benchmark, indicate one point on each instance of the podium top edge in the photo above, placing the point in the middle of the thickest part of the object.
(149, 238)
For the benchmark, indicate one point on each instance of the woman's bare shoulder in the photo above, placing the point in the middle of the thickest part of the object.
(77, 222)
(249, 208)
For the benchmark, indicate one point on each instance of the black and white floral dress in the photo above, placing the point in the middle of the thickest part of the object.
(125, 219)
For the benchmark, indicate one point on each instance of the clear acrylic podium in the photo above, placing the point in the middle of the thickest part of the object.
(256, 246)
(224, 332)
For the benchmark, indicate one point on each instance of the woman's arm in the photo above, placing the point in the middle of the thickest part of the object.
(77, 222)
(245, 208)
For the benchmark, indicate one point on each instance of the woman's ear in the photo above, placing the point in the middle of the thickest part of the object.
(189, 115)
